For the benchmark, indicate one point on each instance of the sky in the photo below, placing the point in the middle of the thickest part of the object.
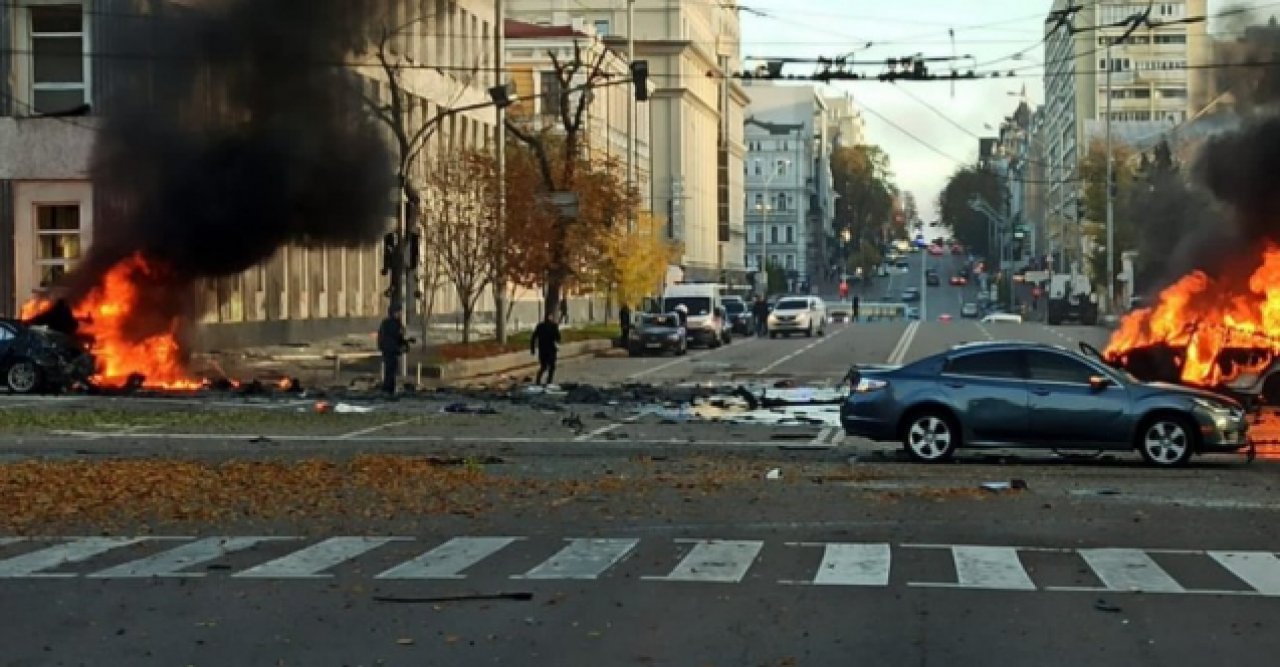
(928, 144)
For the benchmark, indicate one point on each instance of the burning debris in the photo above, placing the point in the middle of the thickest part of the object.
(233, 133)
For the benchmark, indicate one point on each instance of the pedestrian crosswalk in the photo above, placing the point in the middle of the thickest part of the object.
(652, 561)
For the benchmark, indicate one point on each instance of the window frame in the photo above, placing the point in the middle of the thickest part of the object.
(85, 85)
(1028, 355)
(1019, 363)
(38, 234)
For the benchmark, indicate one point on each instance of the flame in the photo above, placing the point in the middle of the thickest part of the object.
(104, 315)
(1201, 316)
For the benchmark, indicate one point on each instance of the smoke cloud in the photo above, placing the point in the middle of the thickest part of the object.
(229, 130)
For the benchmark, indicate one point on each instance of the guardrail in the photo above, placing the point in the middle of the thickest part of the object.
(870, 311)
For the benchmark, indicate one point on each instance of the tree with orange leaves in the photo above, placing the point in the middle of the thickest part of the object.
(637, 260)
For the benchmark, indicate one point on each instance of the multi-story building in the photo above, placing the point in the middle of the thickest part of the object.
(846, 125)
(49, 208)
(536, 86)
(695, 111)
(789, 194)
(1155, 84)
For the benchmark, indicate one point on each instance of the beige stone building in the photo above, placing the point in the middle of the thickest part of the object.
(696, 116)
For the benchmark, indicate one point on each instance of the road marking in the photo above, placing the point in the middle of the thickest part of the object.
(987, 568)
(851, 565)
(821, 438)
(171, 563)
(984, 331)
(597, 433)
(1129, 570)
(688, 358)
(582, 559)
(375, 429)
(32, 564)
(838, 437)
(311, 562)
(904, 343)
(6, 541)
(800, 351)
(448, 560)
(1259, 569)
(714, 561)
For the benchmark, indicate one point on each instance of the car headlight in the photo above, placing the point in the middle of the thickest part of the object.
(1210, 405)
(674, 336)
(867, 385)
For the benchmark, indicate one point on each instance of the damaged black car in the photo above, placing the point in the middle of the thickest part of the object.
(35, 358)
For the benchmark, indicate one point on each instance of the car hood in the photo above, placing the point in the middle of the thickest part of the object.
(657, 330)
(1153, 388)
(790, 312)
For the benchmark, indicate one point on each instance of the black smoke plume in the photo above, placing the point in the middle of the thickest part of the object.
(230, 128)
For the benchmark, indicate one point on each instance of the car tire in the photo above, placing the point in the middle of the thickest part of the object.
(1166, 440)
(773, 334)
(809, 333)
(23, 377)
(728, 338)
(684, 348)
(930, 436)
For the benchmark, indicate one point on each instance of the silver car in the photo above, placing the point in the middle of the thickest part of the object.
(798, 314)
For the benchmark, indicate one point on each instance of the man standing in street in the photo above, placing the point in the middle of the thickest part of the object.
(624, 319)
(392, 344)
(760, 313)
(546, 344)
(855, 307)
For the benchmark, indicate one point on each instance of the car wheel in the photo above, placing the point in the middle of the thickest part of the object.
(1166, 441)
(930, 436)
(809, 333)
(773, 334)
(22, 377)
(728, 338)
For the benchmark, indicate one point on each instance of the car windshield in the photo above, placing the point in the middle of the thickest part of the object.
(792, 304)
(734, 307)
(697, 305)
(659, 321)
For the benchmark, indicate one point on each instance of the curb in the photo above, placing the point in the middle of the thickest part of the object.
(469, 368)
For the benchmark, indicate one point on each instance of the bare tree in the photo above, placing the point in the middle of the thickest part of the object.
(558, 153)
(462, 213)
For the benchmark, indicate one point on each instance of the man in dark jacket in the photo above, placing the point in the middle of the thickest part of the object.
(760, 313)
(392, 344)
(546, 344)
(624, 319)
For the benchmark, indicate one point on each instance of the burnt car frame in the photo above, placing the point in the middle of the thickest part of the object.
(657, 332)
(35, 358)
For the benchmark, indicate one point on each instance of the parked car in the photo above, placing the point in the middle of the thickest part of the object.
(798, 314)
(911, 294)
(959, 280)
(37, 358)
(931, 278)
(658, 333)
(741, 321)
(1008, 318)
(1009, 394)
(969, 310)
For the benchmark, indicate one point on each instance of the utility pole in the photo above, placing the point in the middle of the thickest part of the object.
(1111, 223)
(631, 112)
(500, 157)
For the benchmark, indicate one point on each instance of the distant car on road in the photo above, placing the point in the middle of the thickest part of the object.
(741, 321)
(911, 294)
(913, 313)
(658, 333)
(1008, 394)
(798, 314)
(959, 280)
(969, 310)
(1009, 318)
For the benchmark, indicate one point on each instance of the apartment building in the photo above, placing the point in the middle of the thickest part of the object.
(695, 111)
(531, 72)
(48, 203)
(1154, 87)
(790, 199)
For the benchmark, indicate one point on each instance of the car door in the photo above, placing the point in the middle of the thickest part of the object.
(7, 335)
(989, 393)
(1065, 409)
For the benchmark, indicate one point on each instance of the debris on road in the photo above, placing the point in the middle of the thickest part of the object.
(1103, 605)
(348, 409)
(468, 409)
(1011, 485)
(775, 473)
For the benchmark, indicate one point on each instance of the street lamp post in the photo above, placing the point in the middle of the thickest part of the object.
(631, 109)
(1111, 226)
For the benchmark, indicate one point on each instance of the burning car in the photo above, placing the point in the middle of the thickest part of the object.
(36, 358)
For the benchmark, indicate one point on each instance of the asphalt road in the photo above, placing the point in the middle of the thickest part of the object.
(852, 556)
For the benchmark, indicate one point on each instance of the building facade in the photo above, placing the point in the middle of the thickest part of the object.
(48, 201)
(1155, 85)
(697, 149)
(790, 197)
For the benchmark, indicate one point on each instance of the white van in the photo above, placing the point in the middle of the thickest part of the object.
(708, 323)
(798, 314)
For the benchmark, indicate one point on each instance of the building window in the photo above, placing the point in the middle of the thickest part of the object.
(550, 93)
(602, 28)
(791, 261)
(1173, 93)
(773, 260)
(57, 240)
(781, 167)
(758, 168)
(759, 201)
(780, 202)
(1170, 39)
(760, 261)
(791, 234)
(57, 58)
(773, 234)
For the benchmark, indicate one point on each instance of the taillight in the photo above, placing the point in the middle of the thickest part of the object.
(867, 385)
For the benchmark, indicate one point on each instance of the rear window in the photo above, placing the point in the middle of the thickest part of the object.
(659, 321)
(734, 307)
(697, 305)
(793, 304)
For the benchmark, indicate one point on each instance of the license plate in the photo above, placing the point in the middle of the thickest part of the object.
(653, 345)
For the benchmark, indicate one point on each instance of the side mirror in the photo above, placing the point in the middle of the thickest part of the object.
(1099, 382)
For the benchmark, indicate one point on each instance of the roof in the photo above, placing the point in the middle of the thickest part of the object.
(513, 29)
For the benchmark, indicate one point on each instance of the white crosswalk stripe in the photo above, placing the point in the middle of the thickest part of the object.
(1259, 569)
(582, 559)
(311, 562)
(842, 564)
(35, 563)
(448, 560)
(172, 562)
(1129, 570)
(720, 561)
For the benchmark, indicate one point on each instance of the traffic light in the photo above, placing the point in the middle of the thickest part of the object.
(640, 79)
(389, 253)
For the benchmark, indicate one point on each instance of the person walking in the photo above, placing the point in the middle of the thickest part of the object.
(760, 313)
(391, 343)
(624, 319)
(546, 344)
(564, 310)
(855, 307)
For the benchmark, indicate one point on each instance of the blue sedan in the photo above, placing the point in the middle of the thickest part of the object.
(1010, 394)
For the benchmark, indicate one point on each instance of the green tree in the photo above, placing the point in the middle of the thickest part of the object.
(969, 226)
(862, 179)
(777, 278)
